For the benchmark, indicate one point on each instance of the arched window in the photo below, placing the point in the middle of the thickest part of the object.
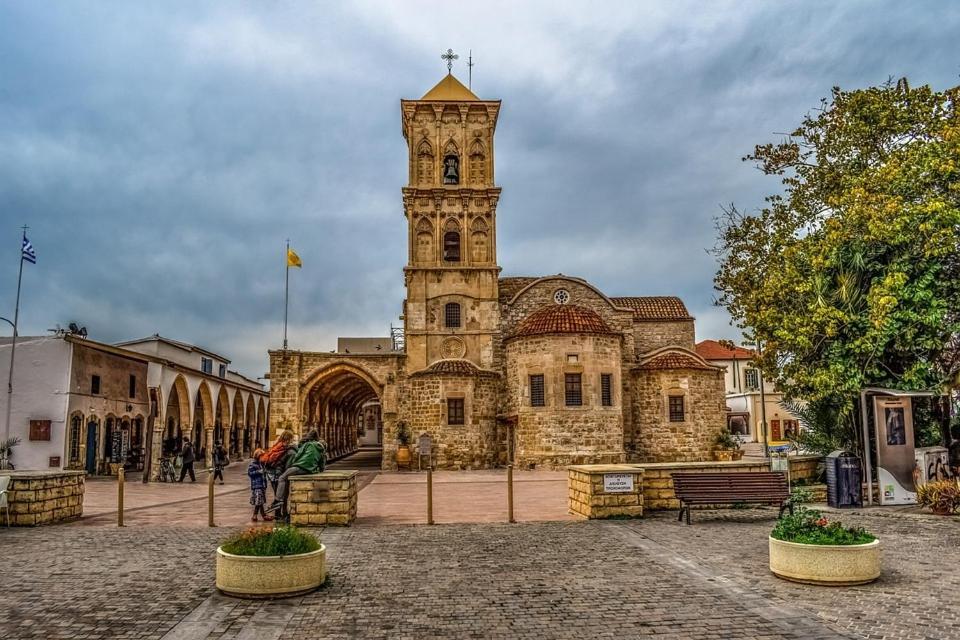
(451, 164)
(479, 241)
(451, 242)
(425, 248)
(451, 315)
(451, 169)
(75, 423)
(478, 164)
(424, 167)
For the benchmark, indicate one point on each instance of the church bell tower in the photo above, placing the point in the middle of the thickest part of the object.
(451, 310)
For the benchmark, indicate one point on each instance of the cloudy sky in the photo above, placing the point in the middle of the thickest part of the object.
(162, 152)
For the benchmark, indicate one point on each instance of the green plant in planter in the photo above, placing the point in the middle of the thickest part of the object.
(801, 495)
(726, 440)
(809, 526)
(942, 496)
(403, 433)
(270, 541)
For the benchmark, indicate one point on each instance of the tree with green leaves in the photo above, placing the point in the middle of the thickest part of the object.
(849, 276)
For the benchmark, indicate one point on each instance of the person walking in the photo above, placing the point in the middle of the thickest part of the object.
(187, 456)
(220, 460)
(311, 457)
(258, 487)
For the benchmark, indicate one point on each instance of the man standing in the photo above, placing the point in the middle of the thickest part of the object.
(187, 455)
(311, 457)
(220, 460)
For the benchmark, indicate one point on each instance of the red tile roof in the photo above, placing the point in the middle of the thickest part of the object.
(675, 360)
(654, 307)
(454, 367)
(562, 318)
(713, 350)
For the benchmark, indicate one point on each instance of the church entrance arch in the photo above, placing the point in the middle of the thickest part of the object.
(335, 401)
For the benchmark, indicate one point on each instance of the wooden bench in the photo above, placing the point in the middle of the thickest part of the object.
(755, 487)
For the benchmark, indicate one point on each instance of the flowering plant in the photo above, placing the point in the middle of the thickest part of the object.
(809, 526)
(270, 541)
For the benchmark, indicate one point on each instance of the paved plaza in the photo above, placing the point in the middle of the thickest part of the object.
(574, 579)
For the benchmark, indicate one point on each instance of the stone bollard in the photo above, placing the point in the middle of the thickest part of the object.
(429, 496)
(210, 522)
(510, 493)
(120, 480)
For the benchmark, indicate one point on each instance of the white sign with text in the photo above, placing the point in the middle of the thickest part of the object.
(617, 482)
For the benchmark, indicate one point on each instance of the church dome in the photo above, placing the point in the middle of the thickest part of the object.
(562, 318)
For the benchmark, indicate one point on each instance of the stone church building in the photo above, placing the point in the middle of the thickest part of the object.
(541, 371)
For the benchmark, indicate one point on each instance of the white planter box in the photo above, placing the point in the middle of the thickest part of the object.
(270, 576)
(825, 564)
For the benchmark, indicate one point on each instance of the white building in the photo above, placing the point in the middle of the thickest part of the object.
(82, 404)
(742, 381)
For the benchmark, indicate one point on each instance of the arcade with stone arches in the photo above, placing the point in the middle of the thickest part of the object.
(207, 411)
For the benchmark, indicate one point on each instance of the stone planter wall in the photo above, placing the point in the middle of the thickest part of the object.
(825, 564)
(270, 576)
(44, 497)
(587, 497)
(323, 499)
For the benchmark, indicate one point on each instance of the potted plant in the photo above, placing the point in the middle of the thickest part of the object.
(942, 497)
(403, 444)
(727, 447)
(806, 547)
(264, 562)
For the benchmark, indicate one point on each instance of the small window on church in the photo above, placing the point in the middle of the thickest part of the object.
(451, 169)
(451, 315)
(451, 246)
(536, 391)
(455, 411)
(676, 409)
(573, 390)
(606, 389)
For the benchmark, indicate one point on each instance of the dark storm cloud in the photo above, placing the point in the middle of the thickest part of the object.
(163, 153)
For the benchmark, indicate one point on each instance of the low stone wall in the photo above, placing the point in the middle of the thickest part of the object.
(44, 497)
(655, 480)
(804, 467)
(597, 491)
(323, 499)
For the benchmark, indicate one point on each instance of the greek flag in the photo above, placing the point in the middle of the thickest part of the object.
(28, 252)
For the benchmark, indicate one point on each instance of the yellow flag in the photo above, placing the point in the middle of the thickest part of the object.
(293, 260)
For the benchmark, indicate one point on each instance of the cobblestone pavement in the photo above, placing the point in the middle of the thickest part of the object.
(622, 579)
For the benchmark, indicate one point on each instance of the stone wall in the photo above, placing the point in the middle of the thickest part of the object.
(323, 499)
(588, 498)
(654, 334)
(44, 497)
(653, 437)
(423, 407)
(557, 434)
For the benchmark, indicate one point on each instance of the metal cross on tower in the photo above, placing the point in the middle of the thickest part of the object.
(449, 56)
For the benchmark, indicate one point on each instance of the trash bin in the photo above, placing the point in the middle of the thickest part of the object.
(844, 480)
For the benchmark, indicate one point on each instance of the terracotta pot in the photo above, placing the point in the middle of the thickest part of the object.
(942, 511)
(737, 454)
(403, 455)
(825, 564)
(270, 576)
(723, 455)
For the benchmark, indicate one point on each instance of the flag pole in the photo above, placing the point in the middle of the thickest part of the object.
(286, 293)
(13, 348)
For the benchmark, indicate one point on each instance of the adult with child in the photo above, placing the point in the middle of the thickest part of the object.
(277, 458)
(311, 457)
